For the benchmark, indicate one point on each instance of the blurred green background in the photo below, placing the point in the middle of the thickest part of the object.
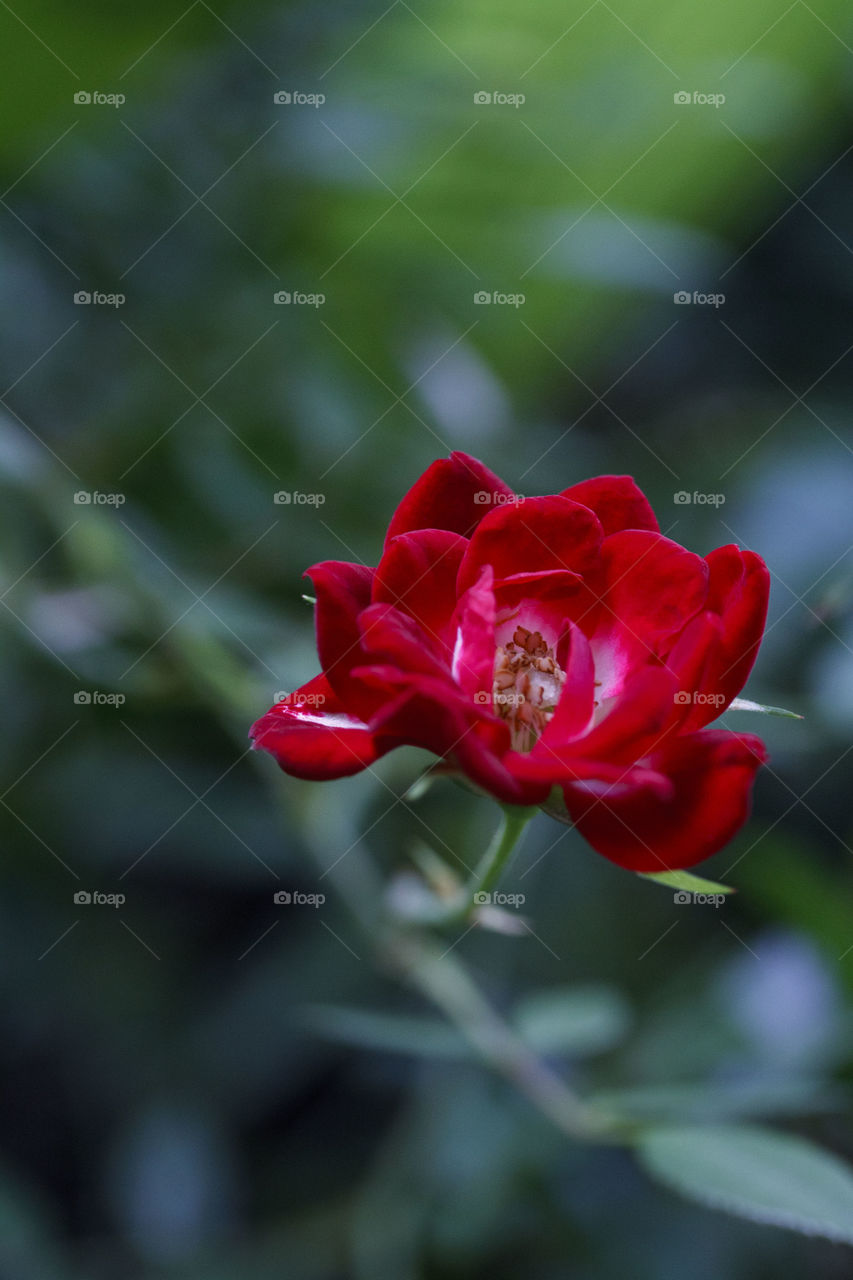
(192, 1088)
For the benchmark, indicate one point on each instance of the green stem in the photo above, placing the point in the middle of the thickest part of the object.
(445, 982)
(497, 855)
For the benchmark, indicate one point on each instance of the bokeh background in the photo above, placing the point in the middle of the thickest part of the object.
(199, 1084)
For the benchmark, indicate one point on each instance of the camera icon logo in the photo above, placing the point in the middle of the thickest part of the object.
(482, 899)
(482, 697)
(81, 97)
(681, 98)
(82, 698)
(482, 298)
(482, 98)
(282, 898)
(82, 897)
(282, 298)
(682, 698)
(682, 897)
(482, 498)
(82, 498)
(282, 498)
(282, 98)
(682, 498)
(82, 298)
(682, 297)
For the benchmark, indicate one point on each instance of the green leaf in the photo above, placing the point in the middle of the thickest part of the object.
(572, 1020)
(743, 704)
(767, 1177)
(420, 1037)
(685, 882)
(720, 1101)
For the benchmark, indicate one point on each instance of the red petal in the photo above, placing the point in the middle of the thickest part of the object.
(391, 635)
(453, 493)
(417, 573)
(575, 708)
(343, 591)
(617, 501)
(638, 722)
(634, 825)
(738, 591)
(650, 588)
(474, 650)
(532, 536)
(311, 737)
(428, 715)
(694, 660)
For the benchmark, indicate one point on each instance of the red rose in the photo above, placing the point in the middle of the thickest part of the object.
(541, 643)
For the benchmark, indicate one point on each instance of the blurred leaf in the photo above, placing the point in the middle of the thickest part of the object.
(767, 1177)
(685, 882)
(720, 1101)
(420, 1037)
(573, 1020)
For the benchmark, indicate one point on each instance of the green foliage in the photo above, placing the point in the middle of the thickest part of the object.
(758, 1174)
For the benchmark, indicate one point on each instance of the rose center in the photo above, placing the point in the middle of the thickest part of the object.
(527, 686)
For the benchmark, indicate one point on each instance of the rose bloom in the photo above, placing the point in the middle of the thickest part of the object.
(556, 651)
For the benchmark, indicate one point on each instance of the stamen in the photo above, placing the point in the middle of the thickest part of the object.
(528, 681)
